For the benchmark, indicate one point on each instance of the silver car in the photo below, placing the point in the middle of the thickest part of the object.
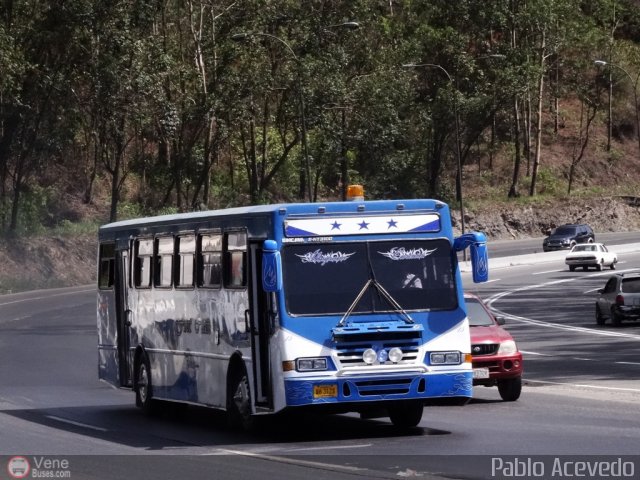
(619, 299)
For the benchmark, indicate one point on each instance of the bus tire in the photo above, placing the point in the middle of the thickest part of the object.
(406, 414)
(143, 385)
(239, 400)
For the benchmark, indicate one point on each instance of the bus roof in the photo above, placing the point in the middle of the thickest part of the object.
(354, 207)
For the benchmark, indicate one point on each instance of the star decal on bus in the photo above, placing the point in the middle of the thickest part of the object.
(392, 223)
(335, 225)
(364, 225)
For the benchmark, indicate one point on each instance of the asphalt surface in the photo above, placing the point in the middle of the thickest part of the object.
(581, 397)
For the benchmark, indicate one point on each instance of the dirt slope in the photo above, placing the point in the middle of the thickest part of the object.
(43, 262)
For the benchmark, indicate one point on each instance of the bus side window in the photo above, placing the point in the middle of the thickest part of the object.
(142, 264)
(236, 260)
(106, 266)
(186, 261)
(210, 261)
(163, 273)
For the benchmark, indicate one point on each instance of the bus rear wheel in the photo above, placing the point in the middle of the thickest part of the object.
(405, 414)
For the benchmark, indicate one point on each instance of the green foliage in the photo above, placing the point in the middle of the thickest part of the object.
(127, 210)
(67, 228)
(159, 94)
(549, 183)
(614, 156)
(34, 213)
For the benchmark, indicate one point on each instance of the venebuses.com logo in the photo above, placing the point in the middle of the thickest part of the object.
(38, 467)
(18, 467)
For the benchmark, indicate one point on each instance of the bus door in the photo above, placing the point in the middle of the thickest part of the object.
(123, 317)
(261, 329)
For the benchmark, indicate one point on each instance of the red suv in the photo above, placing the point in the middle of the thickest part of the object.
(496, 359)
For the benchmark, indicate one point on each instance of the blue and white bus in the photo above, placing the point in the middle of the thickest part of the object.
(341, 306)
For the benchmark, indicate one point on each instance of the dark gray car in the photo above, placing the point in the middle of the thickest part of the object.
(566, 236)
(619, 299)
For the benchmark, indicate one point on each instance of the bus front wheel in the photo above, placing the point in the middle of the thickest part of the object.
(239, 401)
(406, 414)
(143, 386)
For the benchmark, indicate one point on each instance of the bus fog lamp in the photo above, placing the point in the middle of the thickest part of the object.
(311, 364)
(369, 356)
(395, 355)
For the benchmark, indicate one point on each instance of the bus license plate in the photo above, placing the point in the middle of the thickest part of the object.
(325, 391)
(480, 373)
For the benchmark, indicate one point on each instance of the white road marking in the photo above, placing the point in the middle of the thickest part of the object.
(583, 359)
(602, 333)
(536, 353)
(548, 271)
(530, 321)
(613, 272)
(30, 299)
(329, 448)
(494, 280)
(584, 385)
(591, 291)
(77, 424)
(292, 461)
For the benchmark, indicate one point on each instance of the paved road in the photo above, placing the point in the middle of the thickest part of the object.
(581, 397)
(508, 248)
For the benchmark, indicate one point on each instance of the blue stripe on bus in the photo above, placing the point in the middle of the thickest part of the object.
(297, 232)
(428, 227)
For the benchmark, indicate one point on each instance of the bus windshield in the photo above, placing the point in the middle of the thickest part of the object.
(323, 279)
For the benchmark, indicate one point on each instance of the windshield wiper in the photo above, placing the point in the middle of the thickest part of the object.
(384, 293)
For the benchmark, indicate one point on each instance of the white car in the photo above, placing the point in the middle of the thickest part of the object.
(591, 255)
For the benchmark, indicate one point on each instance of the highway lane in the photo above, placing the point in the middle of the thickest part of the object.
(552, 312)
(581, 397)
(507, 248)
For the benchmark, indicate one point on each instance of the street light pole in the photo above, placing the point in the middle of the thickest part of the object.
(602, 63)
(457, 127)
(239, 37)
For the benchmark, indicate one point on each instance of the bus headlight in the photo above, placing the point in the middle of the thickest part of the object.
(369, 356)
(445, 358)
(311, 364)
(395, 355)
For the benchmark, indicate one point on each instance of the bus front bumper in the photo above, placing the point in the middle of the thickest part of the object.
(371, 388)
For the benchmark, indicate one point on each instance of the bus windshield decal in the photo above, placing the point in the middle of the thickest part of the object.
(312, 227)
(401, 253)
(323, 258)
(319, 281)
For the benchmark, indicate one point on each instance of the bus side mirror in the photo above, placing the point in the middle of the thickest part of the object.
(479, 262)
(271, 267)
(477, 243)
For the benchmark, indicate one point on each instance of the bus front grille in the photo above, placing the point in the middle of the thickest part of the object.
(350, 354)
(391, 386)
